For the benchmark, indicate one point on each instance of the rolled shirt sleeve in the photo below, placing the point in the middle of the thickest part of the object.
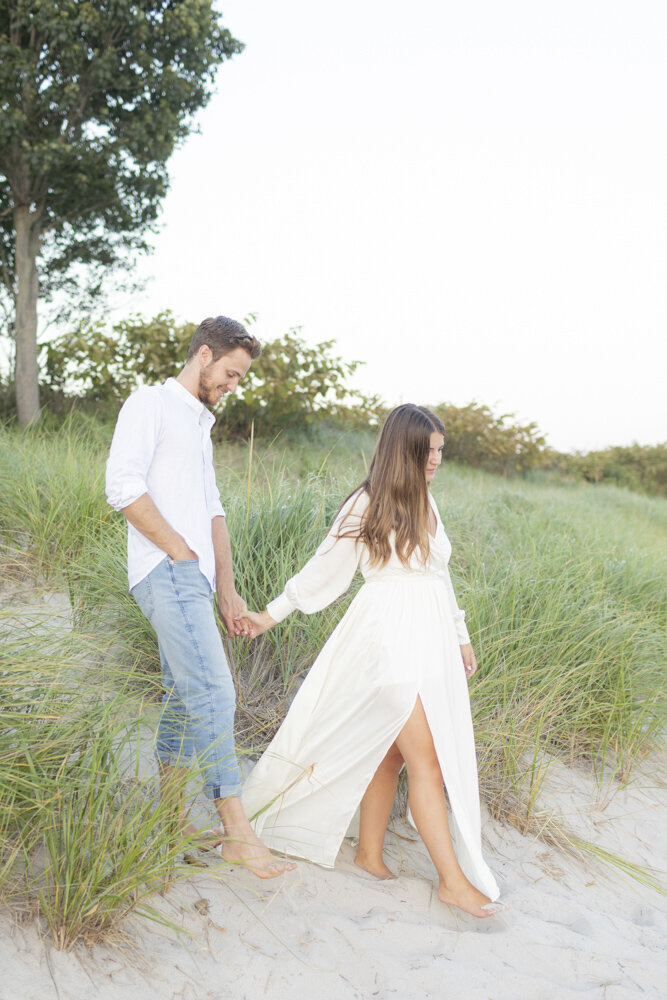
(132, 451)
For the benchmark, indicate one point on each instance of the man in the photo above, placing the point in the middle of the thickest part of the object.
(160, 475)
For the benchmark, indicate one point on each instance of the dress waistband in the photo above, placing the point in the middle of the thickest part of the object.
(405, 578)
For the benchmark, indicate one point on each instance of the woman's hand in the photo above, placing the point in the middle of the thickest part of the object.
(469, 661)
(256, 622)
(232, 610)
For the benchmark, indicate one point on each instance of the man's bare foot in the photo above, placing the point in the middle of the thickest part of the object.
(252, 854)
(373, 866)
(470, 900)
(242, 846)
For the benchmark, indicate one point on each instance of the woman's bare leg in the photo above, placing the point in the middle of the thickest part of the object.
(374, 814)
(427, 804)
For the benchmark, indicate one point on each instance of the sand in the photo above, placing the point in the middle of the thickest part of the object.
(574, 929)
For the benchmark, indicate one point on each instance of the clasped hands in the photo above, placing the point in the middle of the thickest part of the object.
(239, 621)
(255, 623)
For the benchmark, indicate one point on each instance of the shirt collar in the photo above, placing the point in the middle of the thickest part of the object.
(195, 404)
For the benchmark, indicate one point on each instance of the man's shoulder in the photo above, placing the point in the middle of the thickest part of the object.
(146, 395)
(145, 404)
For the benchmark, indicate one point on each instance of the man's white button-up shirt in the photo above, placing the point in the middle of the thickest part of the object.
(162, 446)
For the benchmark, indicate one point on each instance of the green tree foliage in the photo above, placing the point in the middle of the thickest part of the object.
(102, 366)
(476, 436)
(294, 385)
(93, 99)
(637, 467)
(291, 385)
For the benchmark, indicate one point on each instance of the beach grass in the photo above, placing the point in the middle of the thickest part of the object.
(564, 587)
(85, 838)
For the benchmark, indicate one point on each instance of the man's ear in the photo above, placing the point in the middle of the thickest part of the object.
(205, 355)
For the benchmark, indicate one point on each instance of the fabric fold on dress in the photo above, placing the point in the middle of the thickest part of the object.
(399, 640)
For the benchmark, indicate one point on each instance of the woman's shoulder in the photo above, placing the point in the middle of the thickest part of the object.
(353, 508)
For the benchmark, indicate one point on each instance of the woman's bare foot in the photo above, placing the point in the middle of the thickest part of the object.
(373, 866)
(469, 899)
(252, 854)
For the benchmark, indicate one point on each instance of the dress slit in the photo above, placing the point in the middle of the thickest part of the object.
(358, 696)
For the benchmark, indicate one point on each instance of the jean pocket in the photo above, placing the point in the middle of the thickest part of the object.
(143, 595)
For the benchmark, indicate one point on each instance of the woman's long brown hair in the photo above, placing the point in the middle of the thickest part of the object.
(396, 486)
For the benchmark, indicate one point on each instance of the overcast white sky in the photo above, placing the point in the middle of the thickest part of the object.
(469, 196)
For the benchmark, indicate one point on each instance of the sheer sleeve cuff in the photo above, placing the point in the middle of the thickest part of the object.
(280, 608)
(461, 629)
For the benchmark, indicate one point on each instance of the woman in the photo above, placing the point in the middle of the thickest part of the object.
(388, 688)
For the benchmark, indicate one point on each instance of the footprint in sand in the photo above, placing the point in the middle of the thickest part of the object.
(377, 917)
(568, 917)
(643, 916)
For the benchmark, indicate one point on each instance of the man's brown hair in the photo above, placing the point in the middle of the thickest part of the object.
(223, 335)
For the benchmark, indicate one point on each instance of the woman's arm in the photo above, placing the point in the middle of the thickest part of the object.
(325, 576)
(467, 653)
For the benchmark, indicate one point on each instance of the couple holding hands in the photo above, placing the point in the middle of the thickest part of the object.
(389, 687)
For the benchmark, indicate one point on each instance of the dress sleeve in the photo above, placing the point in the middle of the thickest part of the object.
(329, 573)
(132, 451)
(458, 614)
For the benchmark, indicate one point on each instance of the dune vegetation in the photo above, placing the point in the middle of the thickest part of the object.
(563, 583)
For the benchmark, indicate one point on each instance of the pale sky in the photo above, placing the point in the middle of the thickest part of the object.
(469, 197)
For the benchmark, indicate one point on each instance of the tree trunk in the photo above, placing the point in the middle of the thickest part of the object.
(28, 237)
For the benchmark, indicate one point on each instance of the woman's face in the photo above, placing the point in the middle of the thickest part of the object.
(434, 459)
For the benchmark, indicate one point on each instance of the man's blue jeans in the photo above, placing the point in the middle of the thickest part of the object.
(198, 705)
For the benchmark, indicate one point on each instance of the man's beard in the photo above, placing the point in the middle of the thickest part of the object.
(205, 391)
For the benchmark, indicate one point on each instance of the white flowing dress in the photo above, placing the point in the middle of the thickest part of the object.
(398, 641)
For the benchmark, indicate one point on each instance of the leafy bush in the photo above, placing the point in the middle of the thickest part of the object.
(475, 436)
(101, 366)
(291, 385)
(638, 467)
(294, 385)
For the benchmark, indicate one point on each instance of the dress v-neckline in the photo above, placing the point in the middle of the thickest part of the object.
(435, 518)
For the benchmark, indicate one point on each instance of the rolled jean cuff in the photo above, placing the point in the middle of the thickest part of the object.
(169, 759)
(222, 791)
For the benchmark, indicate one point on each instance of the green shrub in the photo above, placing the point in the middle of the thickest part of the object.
(637, 467)
(475, 436)
(291, 385)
